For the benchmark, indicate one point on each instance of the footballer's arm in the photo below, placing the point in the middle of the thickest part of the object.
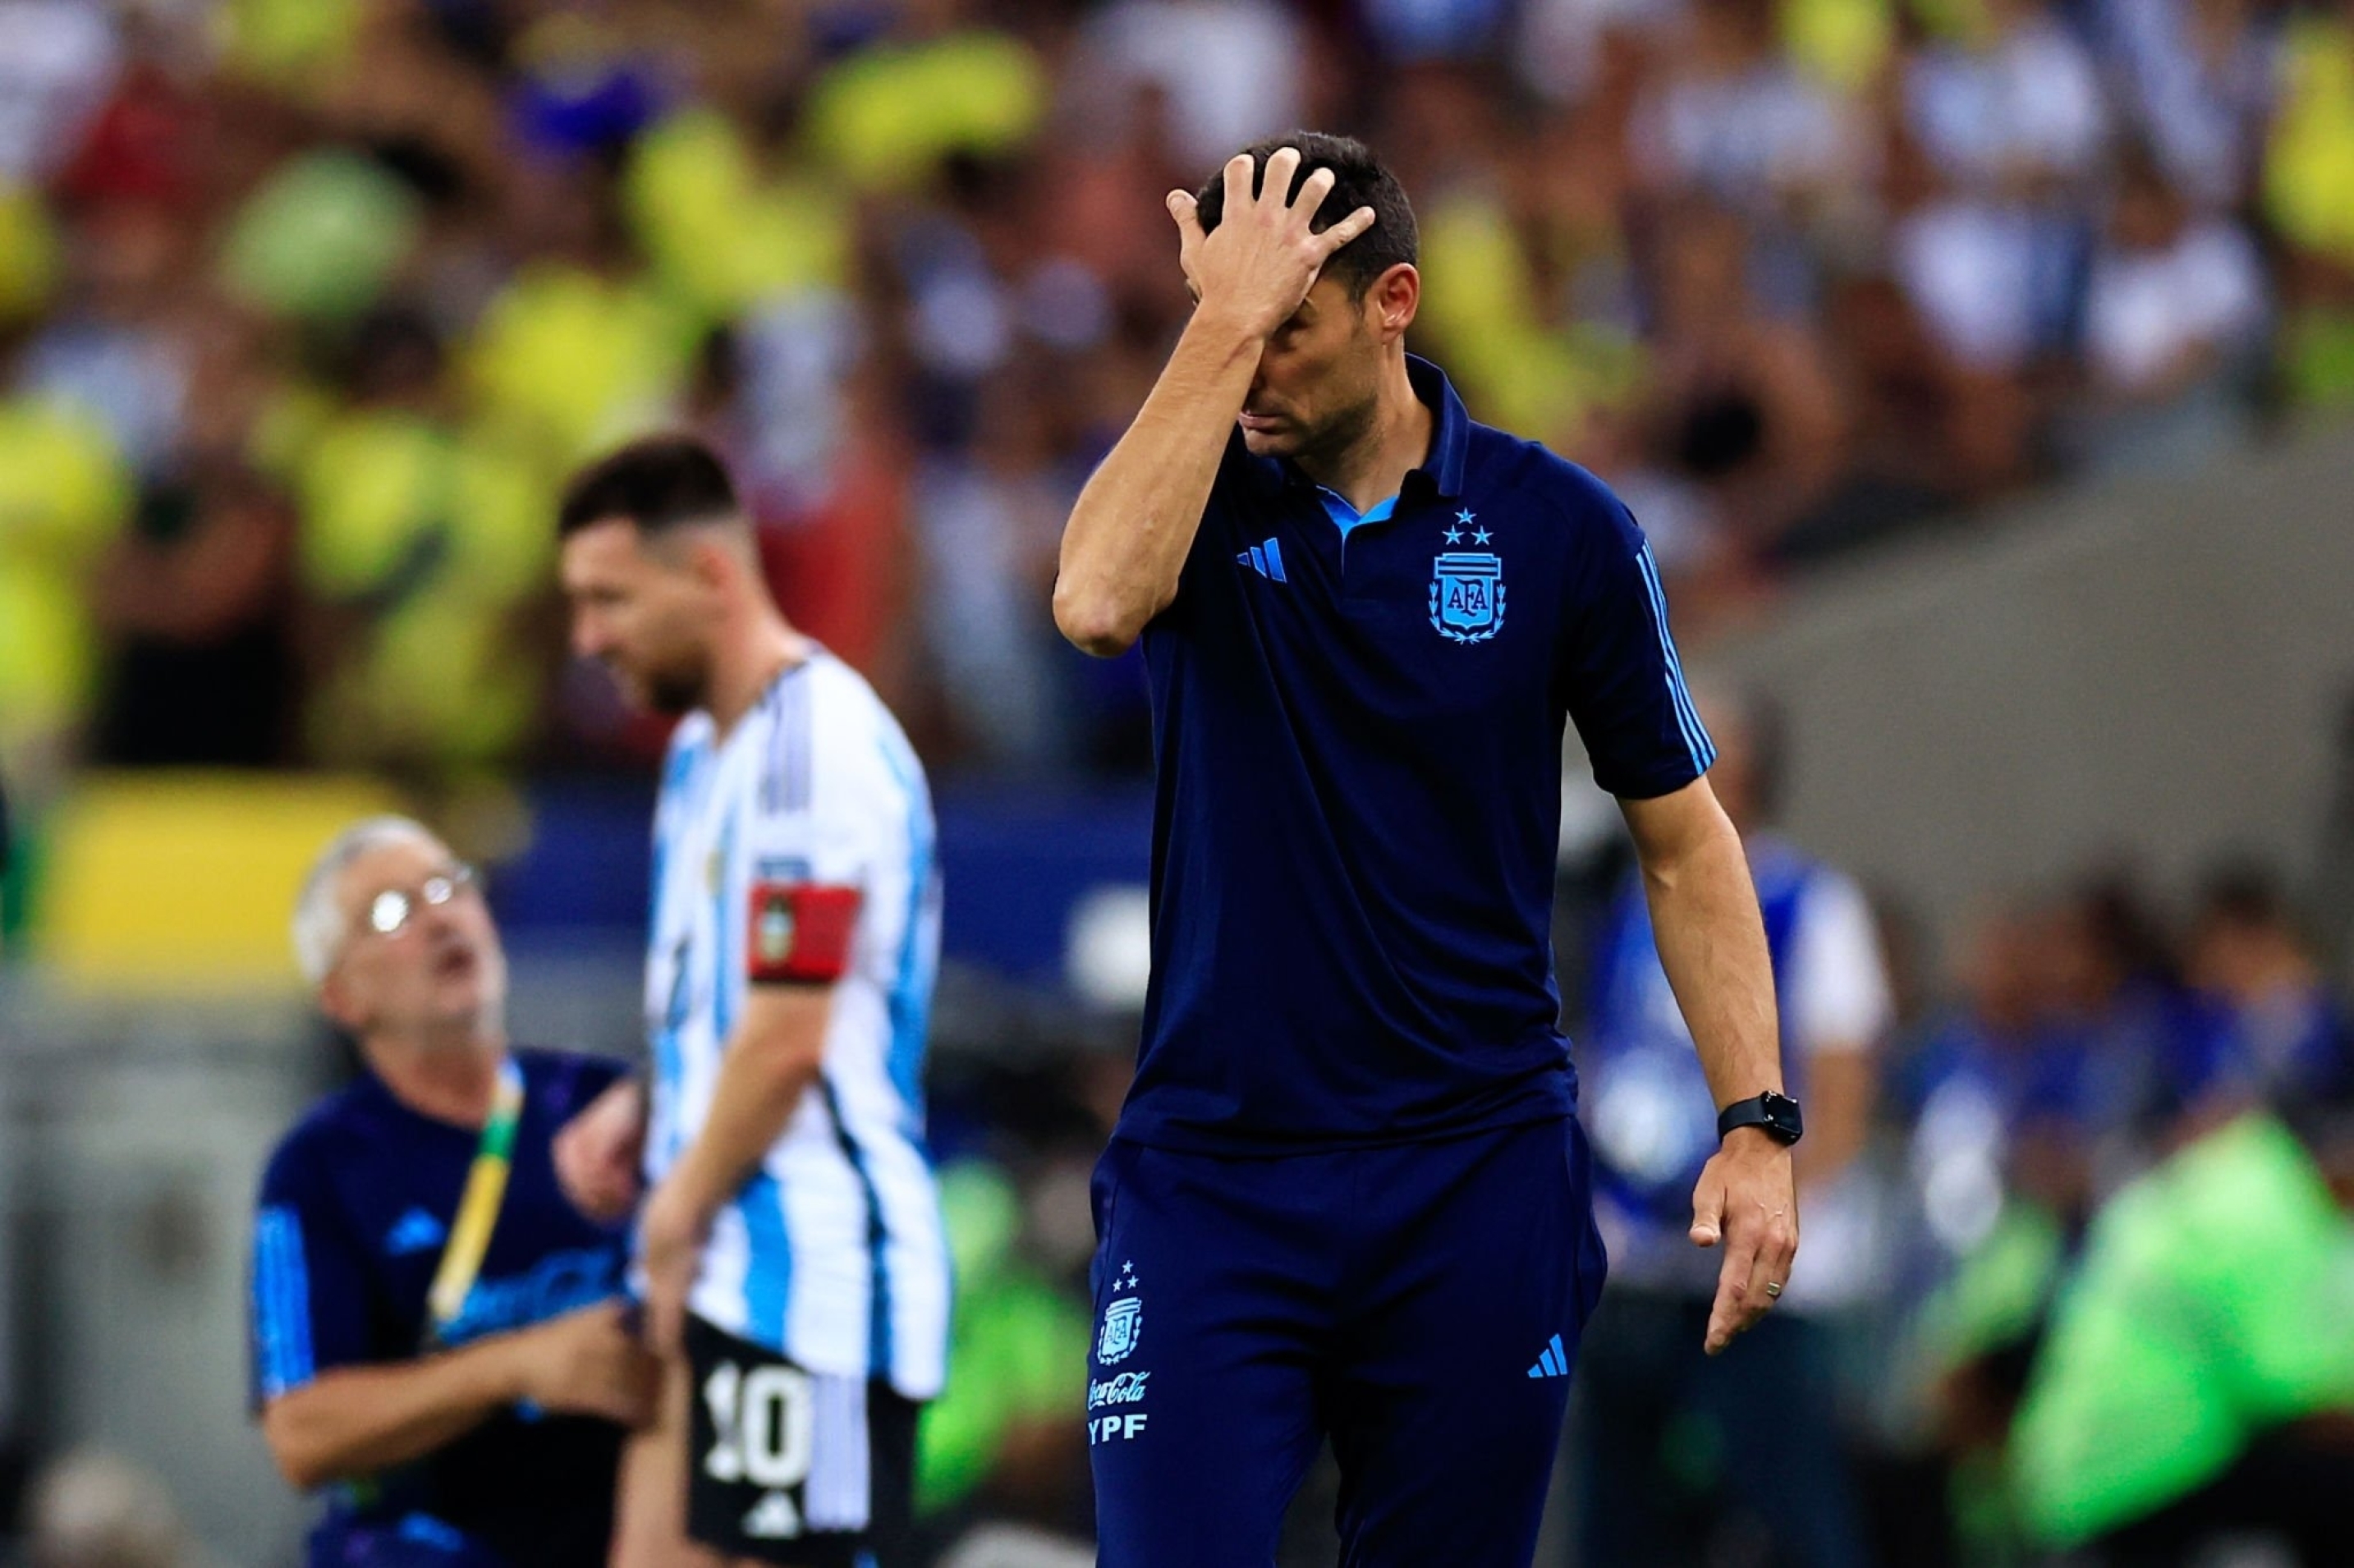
(775, 1053)
(771, 1060)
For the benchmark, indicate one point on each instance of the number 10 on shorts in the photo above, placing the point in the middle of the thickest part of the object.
(765, 1420)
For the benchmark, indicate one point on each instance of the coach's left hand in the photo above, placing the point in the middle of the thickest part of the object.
(1748, 1201)
(671, 1233)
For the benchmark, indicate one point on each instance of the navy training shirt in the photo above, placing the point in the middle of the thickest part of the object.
(1358, 742)
(356, 1205)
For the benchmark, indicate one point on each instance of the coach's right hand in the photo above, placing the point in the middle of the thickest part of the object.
(1260, 262)
(587, 1363)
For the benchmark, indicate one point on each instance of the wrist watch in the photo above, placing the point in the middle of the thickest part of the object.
(1776, 1113)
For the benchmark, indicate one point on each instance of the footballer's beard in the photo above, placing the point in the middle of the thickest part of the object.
(677, 688)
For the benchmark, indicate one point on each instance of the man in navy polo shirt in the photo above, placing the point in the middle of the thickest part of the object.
(440, 1347)
(1348, 1196)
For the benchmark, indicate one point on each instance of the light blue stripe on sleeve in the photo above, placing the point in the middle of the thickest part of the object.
(1656, 592)
(1696, 740)
(281, 1303)
(263, 1308)
(302, 1363)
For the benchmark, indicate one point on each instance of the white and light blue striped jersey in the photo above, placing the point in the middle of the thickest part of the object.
(834, 1252)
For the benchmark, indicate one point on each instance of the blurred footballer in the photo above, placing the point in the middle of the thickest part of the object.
(790, 1247)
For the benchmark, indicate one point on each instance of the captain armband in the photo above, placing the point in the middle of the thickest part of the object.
(799, 934)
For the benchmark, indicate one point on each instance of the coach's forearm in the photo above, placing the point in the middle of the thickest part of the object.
(359, 1421)
(1711, 943)
(1129, 534)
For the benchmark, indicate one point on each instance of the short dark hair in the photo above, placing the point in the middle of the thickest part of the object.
(2245, 892)
(1359, 180)
(657, 483)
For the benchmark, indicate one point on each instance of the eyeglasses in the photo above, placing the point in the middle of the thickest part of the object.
(390, 912)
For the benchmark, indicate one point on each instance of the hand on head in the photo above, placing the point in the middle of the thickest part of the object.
(1264, 256)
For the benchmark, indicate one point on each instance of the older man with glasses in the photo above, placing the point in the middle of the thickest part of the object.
(438, 1335)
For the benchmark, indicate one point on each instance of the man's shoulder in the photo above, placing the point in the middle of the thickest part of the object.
(854, 729)
(1514, 470)
(338, 1128)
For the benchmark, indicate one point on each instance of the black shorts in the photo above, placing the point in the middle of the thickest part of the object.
(796, 1468)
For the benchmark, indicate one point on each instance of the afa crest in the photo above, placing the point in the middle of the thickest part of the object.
(1123, 1324)
(1467, 595)
(1123, 1320)
(774, 929)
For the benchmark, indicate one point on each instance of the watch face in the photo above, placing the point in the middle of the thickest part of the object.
(1781, 1115)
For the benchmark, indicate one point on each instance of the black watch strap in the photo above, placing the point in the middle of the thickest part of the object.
(1776, 1113)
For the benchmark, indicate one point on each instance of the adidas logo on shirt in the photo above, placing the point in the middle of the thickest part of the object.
(773, 1518)
(415, 1231)
(1265, 559)
(1555, 1362)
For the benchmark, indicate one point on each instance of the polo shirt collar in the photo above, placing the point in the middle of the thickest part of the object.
(1441, 472)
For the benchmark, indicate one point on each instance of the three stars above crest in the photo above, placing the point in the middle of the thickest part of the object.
(1466, 519)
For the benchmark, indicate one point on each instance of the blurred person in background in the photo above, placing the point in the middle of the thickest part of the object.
(2199, 78)
(1995, 161)
(1654, 1409)
(203, 672)
(2075, 1060)
(2006, 98)
(1742, 400)
(92, 1509)
(438, 1343)
(790, 1247)
(1729, 116)
(1000, 1442)
(2272, 1028)
(2175, 313)
(1998, 1153)
(421, 545)
(2196, 1383)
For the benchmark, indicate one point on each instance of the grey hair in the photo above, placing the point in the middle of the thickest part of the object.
(319, 927)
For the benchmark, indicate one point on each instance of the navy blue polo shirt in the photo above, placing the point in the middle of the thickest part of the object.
(1358, 742)
(355, 1209)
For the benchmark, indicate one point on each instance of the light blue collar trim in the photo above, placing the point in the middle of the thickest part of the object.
(1346, 517)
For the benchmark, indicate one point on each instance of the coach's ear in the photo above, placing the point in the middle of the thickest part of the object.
(1392, 301)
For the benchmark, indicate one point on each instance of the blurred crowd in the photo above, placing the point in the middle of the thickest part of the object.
(2078, 1198)
(306, 305)
(2109, 1185)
